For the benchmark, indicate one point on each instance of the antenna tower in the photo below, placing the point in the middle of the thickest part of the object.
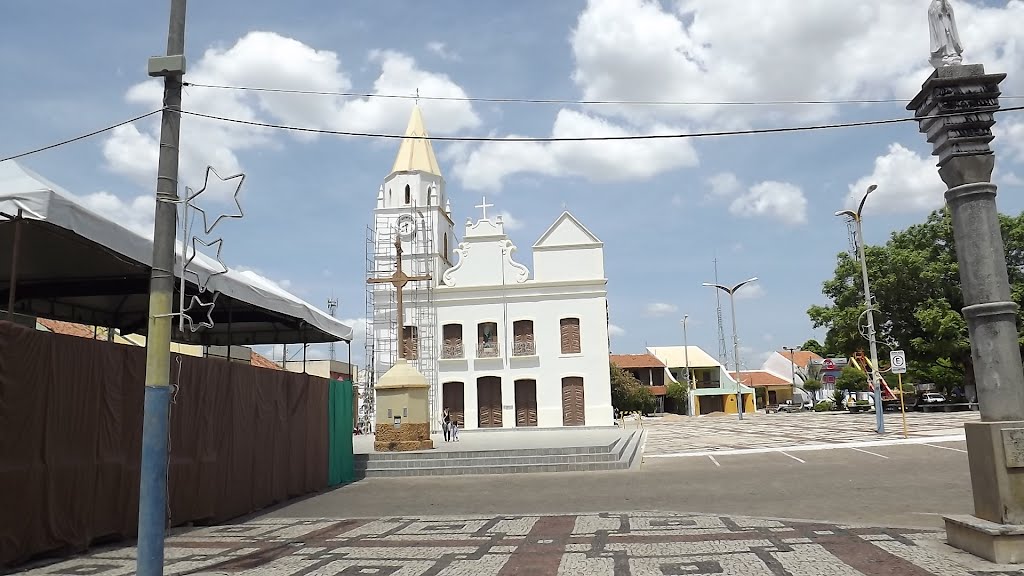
(723, 350)
(332, 307)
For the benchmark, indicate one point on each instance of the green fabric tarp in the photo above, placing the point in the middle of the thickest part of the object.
(341, 466)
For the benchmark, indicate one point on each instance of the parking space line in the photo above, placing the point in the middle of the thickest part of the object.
(947, 448)
(795, 458)
(872, 453)
(715, 461)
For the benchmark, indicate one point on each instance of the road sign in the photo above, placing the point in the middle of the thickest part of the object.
(898, 362)
(828, 364)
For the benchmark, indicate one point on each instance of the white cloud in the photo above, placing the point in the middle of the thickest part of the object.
(714, 51)
(266, 59)
(442, 50)
(750, 292)
(724, 185)
(485, 167)
(907, 182)
(658, 309)
(511, 222)
(616, 331)
(779, 200)
(1010, 137)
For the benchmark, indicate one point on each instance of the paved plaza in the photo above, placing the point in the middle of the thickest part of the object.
(612, 544)
(682, 435)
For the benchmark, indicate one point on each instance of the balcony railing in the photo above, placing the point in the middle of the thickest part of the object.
(452, 350)
(526, 348)
(489, 350)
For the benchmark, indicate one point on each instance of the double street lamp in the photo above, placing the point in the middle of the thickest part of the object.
(731, 291)
(873, 369)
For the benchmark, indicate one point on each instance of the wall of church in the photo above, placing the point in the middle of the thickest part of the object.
(543, 363)
(554, 265)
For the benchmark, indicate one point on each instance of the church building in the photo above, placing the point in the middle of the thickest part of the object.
(499, 346)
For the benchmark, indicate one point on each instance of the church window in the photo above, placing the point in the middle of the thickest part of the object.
(570, 335)
(410, 343)
(452, 345)
(408, 194)
(487, 340)
(522, 344)
(445, 246)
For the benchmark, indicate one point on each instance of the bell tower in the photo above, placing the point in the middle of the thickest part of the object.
(412, 207)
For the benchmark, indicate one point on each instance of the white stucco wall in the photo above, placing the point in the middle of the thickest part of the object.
(549, 365)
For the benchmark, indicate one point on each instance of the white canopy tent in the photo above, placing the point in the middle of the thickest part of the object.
(77, 265)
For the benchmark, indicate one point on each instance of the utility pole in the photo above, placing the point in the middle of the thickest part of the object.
(792, 367)
(153, 481)
(686, 359)
(873, 375)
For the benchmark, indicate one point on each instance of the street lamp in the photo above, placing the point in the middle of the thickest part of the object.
(856, 216)
(686, 359)
(792, 366)
(735, 339)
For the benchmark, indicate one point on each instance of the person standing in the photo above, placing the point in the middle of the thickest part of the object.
(446, 424)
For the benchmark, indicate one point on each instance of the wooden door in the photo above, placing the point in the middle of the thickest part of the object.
(526, 402)
(573, 413)
(488, 400)
(453, 397)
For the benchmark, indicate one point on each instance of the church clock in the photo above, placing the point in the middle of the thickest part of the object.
(406, 226)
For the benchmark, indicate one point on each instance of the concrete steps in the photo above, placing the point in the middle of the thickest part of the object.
(621, 454)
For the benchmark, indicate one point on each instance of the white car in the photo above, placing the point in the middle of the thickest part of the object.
(932, 398)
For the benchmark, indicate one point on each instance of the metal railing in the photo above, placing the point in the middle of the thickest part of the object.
(525, 348)
(489, 350)
(452, 350)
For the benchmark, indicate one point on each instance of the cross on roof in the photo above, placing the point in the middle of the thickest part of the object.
(484, 206)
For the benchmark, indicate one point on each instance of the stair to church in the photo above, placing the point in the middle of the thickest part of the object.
(621, 454)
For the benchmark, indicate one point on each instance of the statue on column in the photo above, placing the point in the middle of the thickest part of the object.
(946, 48)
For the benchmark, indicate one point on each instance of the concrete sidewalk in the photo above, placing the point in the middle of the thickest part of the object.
(599, 544)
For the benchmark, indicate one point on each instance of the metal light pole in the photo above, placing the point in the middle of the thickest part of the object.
(879, 416)
(792, 366)
(156, 406)
(686, 359)
(735, 338)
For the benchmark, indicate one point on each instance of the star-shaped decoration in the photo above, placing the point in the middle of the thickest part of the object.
(190, 196)
(198, 303)
(219, 243)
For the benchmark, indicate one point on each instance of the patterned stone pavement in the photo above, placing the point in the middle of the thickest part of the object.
(612, 544)
(680, 435)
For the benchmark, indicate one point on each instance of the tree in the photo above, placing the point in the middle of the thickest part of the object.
(852, 380)
(677, 392)
(628, 394)
(915, 282)
(812, 386)
(813, 345)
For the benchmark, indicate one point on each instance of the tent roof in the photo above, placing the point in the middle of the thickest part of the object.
(76, 265)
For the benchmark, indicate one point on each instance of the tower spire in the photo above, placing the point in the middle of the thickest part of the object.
(416, 154)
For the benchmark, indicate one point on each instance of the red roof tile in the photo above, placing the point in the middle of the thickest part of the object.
(636, 361)
(67, 328)
(262, 361)
(800, 357)
(761, 378)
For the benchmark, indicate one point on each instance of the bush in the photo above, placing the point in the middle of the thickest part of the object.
(823, 406)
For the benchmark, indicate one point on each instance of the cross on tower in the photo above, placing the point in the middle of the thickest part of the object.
(399, 279)
(484, 206)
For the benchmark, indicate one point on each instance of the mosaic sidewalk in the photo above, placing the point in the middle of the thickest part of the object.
(612, 544)
(787, 430)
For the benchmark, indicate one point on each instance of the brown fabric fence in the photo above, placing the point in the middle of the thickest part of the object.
(242, 438)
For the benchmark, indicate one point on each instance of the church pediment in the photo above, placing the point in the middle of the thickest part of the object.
(567, 232)
(486, 260)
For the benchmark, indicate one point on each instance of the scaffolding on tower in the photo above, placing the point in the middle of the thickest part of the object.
(419, 259)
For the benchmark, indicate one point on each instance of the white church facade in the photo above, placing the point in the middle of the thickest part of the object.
(500, 347)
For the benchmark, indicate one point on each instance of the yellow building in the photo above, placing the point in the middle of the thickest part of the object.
(714, 389)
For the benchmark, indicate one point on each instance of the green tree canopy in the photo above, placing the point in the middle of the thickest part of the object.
(915, 283)
(813, 345)
(628, 394)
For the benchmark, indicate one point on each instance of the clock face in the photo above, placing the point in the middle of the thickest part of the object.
(406, 225)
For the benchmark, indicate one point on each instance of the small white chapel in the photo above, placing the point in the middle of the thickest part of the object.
(499, 346)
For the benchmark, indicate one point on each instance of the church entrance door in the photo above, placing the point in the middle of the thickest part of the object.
(573, 413)
(488, 400)
(526, 402)
(453, 397)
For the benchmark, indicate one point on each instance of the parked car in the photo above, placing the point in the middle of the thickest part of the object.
(931, 398)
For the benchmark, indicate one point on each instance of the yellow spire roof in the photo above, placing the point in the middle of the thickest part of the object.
(416, 153)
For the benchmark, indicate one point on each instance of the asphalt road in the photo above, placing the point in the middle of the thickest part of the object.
(905, 486)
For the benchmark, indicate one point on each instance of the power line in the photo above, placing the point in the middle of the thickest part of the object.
(675, 136)
(558, 100)
(82, 137)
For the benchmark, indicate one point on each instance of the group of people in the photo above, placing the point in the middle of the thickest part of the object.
(450, 425)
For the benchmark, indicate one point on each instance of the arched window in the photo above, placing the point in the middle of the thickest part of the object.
(408, 194)
(445, 246)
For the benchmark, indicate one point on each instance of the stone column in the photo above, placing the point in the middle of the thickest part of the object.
(955, 109)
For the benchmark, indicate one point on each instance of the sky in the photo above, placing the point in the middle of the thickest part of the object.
(762, 205)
